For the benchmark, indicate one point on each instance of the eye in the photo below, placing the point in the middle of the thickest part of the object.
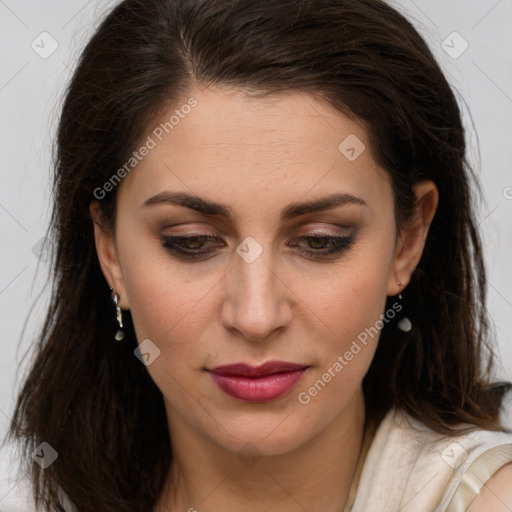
(188, 246)
(326, 246)
(319, 245)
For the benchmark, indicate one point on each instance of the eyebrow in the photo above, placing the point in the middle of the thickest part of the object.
(295, 209)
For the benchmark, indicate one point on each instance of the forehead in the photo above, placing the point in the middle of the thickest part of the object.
(238, 148)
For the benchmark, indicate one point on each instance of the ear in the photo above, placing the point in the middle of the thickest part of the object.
(107, 253)
(412, 238)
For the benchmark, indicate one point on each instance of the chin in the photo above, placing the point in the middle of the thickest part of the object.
(268, 433)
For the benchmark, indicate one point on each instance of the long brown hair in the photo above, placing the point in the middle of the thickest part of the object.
(88, 396)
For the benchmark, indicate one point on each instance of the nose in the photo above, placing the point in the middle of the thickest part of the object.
(256, 304)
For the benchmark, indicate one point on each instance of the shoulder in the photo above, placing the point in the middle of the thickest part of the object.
(474, 473)
(409, 467)
(496, 494)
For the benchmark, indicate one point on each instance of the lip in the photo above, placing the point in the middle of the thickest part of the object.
(263, 383)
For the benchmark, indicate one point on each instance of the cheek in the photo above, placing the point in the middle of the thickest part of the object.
(353, 316)
(353, 307)
(344, 354)
(163, 306)
(357, 293)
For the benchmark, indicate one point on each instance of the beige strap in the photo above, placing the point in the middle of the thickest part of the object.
(482, 468)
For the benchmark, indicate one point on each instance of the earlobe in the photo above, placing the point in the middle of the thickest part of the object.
(412, 238)
(107, 253)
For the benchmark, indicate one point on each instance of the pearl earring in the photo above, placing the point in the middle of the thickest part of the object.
(404, 324)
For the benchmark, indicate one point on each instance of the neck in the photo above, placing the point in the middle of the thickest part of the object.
(315, 476)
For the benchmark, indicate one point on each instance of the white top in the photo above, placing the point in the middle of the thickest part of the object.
(410, 468)
(404, 466)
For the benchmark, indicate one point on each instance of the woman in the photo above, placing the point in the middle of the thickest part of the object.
(269, 286)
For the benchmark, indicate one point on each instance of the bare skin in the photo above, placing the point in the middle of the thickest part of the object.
(257, 156)
(496, 494)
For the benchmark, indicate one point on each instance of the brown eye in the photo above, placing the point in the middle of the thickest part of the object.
(188, 246)
(322, 246)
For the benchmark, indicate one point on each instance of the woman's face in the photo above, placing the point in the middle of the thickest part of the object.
(276, 280)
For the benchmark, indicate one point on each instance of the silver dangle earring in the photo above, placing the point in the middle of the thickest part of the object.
(404, 324)
(120, 333)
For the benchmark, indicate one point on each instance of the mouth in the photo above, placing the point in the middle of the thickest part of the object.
(263, 383)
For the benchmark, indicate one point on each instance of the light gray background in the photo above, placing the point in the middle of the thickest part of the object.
(31, 88)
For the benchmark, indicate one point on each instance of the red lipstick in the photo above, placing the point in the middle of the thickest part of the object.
(263, 383)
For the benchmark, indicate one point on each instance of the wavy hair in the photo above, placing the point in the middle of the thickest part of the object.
(89, 397)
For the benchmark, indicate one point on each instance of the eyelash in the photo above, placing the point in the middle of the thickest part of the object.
(173, 244)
